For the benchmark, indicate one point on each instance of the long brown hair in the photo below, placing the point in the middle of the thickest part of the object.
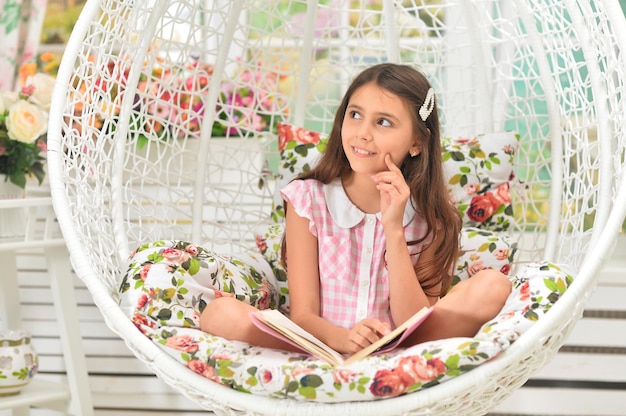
(423, 173)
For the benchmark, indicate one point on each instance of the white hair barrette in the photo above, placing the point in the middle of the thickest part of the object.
(429, 104)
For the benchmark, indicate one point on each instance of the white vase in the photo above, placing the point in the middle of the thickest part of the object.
(18, 361)
(13, 219)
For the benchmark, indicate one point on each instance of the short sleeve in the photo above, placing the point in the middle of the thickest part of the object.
(300, 194)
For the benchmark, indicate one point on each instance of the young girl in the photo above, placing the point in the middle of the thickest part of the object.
(370, 234)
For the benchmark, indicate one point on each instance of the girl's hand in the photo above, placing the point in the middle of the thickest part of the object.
(394, 193)
(364, 333)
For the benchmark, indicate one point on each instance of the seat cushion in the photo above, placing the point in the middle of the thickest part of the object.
(166, 285)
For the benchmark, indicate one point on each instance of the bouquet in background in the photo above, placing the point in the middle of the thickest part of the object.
(170, 100)
(23, 128)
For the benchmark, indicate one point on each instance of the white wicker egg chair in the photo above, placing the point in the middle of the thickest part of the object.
(554, 71)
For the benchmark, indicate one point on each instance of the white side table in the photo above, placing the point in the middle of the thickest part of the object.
(75, 397)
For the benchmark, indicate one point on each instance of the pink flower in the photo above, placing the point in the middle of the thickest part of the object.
(141, 302)
(387, 383)
(501, 254)
(503, 193)
(261, 243)
(464, 140)
(285, 135)
(415, 369)
(184, 343)
(265, 376)
(472, 188)
(482, 207)
(305, 136)
(142, 323)
(174, 255)
(202, 368)
(525, 292)
(475, 267)
(301, 371)
(192, 249)
(222, 356)
(265, 299)
(145, 270)
(343, 375)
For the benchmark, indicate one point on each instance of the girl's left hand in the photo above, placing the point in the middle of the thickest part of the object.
(394, 193)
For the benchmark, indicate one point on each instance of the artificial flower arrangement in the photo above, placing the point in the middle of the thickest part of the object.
(23, 128)
(170, 101)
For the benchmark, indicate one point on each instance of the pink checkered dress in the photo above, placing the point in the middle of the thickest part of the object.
(353, 276)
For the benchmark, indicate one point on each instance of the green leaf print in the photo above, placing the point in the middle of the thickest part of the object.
(311, 380)
(308, 392)
(21, 374)
(155, 257)
(452, 362)
(10, 18)
(164, 314)
(194, 266)
(292, 387)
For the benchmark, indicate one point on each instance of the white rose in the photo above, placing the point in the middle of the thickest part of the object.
(26, 122)
(8, 99)
(44, 84)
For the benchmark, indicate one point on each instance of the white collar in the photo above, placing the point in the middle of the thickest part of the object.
(345, 213)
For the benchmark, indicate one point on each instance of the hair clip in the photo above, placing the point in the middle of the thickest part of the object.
(429, 104)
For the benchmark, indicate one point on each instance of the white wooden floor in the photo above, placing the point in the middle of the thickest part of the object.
(588, 376)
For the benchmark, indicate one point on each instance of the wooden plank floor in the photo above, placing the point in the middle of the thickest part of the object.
(588, 376)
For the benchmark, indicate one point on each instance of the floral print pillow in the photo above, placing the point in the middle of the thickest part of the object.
(483, 249)
(480, 172)
(299, 149)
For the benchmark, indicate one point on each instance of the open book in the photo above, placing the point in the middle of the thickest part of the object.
(278, 325)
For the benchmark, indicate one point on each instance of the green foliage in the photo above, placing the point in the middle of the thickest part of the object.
(18, 160)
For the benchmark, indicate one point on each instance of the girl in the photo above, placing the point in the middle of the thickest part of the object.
(370, 234)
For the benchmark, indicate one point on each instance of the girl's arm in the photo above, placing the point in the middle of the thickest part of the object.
(304, 291)
(406, 295)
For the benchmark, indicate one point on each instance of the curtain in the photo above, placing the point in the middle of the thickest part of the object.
(21, 22)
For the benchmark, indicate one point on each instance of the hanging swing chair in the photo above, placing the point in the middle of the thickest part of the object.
(174, 122)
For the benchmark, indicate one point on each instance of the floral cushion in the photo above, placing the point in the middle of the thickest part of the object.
(167, 284)
(483, 249)
(299, 149)
(480, 171)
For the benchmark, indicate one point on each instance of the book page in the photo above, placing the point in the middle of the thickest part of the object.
(278, 325)
(393, 339)
(275, 323)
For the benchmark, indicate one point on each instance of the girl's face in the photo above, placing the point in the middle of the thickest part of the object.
(377, 122)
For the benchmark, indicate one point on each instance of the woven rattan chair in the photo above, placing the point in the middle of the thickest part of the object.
(124, 169)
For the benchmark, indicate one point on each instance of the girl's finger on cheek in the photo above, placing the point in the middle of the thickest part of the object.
(388, 161)
(392, 166)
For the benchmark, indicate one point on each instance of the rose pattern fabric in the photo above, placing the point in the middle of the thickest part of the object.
(299, 149)
(481, 249)
(167, 284)
(480, 173)
(164, 280)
